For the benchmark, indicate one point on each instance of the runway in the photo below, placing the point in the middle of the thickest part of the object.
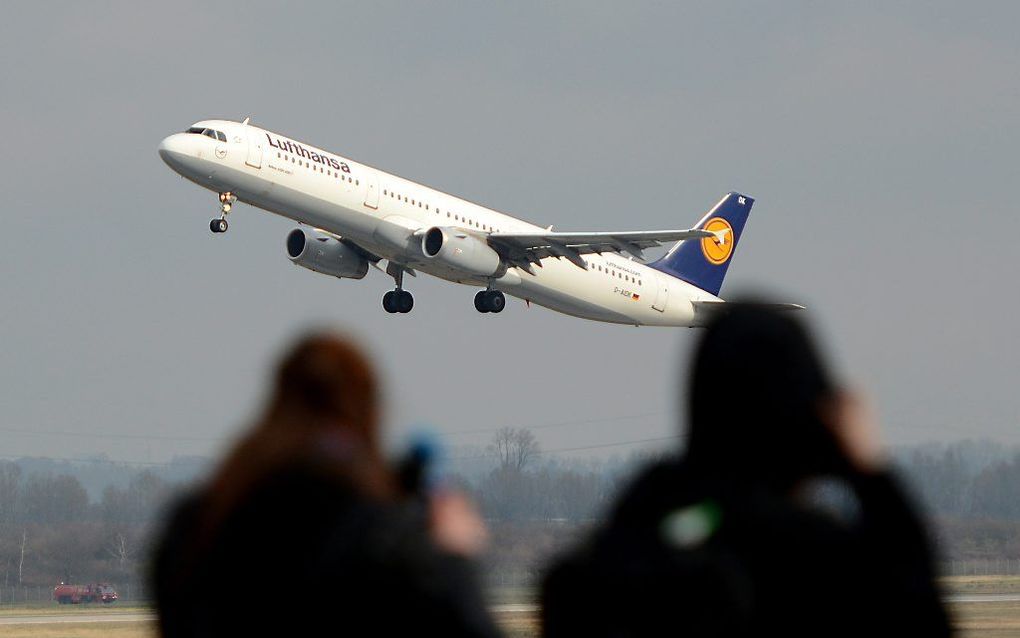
(514, 608)
(531, 608)
(982, 598)
(509, 608)
(94, 617)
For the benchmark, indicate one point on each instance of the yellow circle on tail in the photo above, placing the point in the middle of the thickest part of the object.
(719, 248)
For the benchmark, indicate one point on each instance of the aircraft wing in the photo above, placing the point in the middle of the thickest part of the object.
(524, 249)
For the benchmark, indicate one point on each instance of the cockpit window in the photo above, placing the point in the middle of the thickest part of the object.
(208, 132)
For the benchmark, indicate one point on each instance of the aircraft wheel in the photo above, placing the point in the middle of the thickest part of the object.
(218, 225)
(496, 301)
(480, 302)
(389, 302)
(405, 301)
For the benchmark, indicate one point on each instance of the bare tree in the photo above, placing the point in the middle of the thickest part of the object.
(513, 447)
(525, 446)
(21, 561)
(502, 441)
(120, 549)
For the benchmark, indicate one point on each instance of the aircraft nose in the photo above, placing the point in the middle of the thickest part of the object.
(171, 145)
(178, 152)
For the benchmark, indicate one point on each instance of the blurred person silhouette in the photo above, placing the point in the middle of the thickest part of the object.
(306, 528)
(723, 541)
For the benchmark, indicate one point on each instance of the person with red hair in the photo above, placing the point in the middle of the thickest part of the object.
(305, 526)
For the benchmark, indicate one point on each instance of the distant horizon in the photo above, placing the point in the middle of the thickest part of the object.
(478, 452)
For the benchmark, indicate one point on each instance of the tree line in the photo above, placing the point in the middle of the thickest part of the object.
(53, 528)
(51, 531)
(536, 505)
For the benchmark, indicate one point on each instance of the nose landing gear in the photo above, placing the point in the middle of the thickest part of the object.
(219, 225)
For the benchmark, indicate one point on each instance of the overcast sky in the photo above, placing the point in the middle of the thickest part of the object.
(880, 144)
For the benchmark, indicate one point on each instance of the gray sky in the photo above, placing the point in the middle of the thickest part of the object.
(880, 144)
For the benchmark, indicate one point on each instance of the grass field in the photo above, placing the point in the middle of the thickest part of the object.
(981, 584)
(972, 619)
(63, 624)
(81, 630)
(995, 620)
(992, 619)
(987, 620)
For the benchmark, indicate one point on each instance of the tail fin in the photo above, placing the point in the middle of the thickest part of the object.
(703, 262)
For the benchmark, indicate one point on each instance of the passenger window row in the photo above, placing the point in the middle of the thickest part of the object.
(450, 215)
(612, 272)
(317, 168)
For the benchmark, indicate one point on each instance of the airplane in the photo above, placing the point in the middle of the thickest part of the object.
(352, 217)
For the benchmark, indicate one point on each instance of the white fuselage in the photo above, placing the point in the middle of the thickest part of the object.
(380, 212)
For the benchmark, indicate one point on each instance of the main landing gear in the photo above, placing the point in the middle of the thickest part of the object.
(397, 300)
(219, 225)
(490, 301)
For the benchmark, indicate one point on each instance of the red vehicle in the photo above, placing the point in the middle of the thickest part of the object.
(91, 593)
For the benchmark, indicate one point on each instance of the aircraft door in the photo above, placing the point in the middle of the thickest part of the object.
(661, 293)
(254, 158)
(371, 191)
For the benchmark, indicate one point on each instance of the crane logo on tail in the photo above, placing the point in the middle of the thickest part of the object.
(718, 249)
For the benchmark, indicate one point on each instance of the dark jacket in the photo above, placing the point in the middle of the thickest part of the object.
(690, 555)
(307, 555)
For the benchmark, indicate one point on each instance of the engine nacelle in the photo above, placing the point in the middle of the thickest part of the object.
(325, 254)
(461, 251)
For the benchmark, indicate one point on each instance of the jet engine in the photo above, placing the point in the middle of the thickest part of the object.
(325, 254)
(460, 251)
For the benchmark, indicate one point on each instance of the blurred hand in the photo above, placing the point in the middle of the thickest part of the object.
(852, 422)
(456, 525)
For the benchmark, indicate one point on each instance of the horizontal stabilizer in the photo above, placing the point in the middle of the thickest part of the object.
(724, 306)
